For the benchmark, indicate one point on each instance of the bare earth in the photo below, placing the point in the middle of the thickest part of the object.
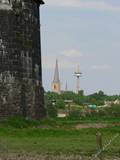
(14, 156)
(91, 125)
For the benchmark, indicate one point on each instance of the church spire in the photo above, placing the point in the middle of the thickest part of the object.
(56, 73)
(56, 80)
(66, 87)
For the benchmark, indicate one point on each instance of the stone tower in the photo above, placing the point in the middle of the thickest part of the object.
(56, 80)
(21, 91)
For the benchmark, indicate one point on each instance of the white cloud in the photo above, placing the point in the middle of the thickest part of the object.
(104, 67)
(49, 62)
(71, 53)
(67, 59)
(70, 58)
(85, 4)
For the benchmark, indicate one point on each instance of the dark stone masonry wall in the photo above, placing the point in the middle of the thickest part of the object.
(21, 91)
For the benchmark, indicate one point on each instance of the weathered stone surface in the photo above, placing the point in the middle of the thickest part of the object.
(21, 89)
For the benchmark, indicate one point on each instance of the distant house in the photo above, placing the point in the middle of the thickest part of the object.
(117, 101)
(108, 103)
(62, 114)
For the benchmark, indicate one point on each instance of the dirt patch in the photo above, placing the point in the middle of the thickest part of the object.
(91, 125)
(17, 156)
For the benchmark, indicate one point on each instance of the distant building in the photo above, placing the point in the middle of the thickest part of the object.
(117, 102)
(62, 114)
(107, 104)
(56, 86)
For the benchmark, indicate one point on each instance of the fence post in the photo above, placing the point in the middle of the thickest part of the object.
(99, 145)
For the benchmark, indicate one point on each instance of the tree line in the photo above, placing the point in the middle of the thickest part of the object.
(54, 101)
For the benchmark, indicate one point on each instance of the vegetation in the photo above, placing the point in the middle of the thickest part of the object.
(97, 98)
(80, 106)
(113, 111)
(74, 135)
(57, 136)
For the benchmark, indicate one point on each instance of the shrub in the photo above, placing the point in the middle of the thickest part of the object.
(52, 112)
(75, 113)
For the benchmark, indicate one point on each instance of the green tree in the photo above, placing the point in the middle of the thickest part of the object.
(52, 112)
(60, 104)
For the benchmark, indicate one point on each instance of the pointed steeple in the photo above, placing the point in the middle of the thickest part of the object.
(66, 87)
(56, 80)
(56, 73)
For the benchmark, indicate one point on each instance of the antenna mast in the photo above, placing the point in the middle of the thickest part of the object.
(78, 75)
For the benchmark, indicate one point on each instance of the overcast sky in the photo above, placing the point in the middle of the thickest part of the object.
(85, 32)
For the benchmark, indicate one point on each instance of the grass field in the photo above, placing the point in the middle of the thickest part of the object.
(57, 137)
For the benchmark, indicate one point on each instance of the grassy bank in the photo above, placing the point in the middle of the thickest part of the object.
(56, 136)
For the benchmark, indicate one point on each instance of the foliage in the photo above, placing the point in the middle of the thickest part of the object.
(60, 104)
(52, 95)
(52, 112)
(54, 102)
(79, 99)
(113, 111)
(96, 98)
(75, 113)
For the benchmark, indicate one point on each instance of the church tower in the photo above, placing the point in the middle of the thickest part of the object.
(56, 81)
(21, 91)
